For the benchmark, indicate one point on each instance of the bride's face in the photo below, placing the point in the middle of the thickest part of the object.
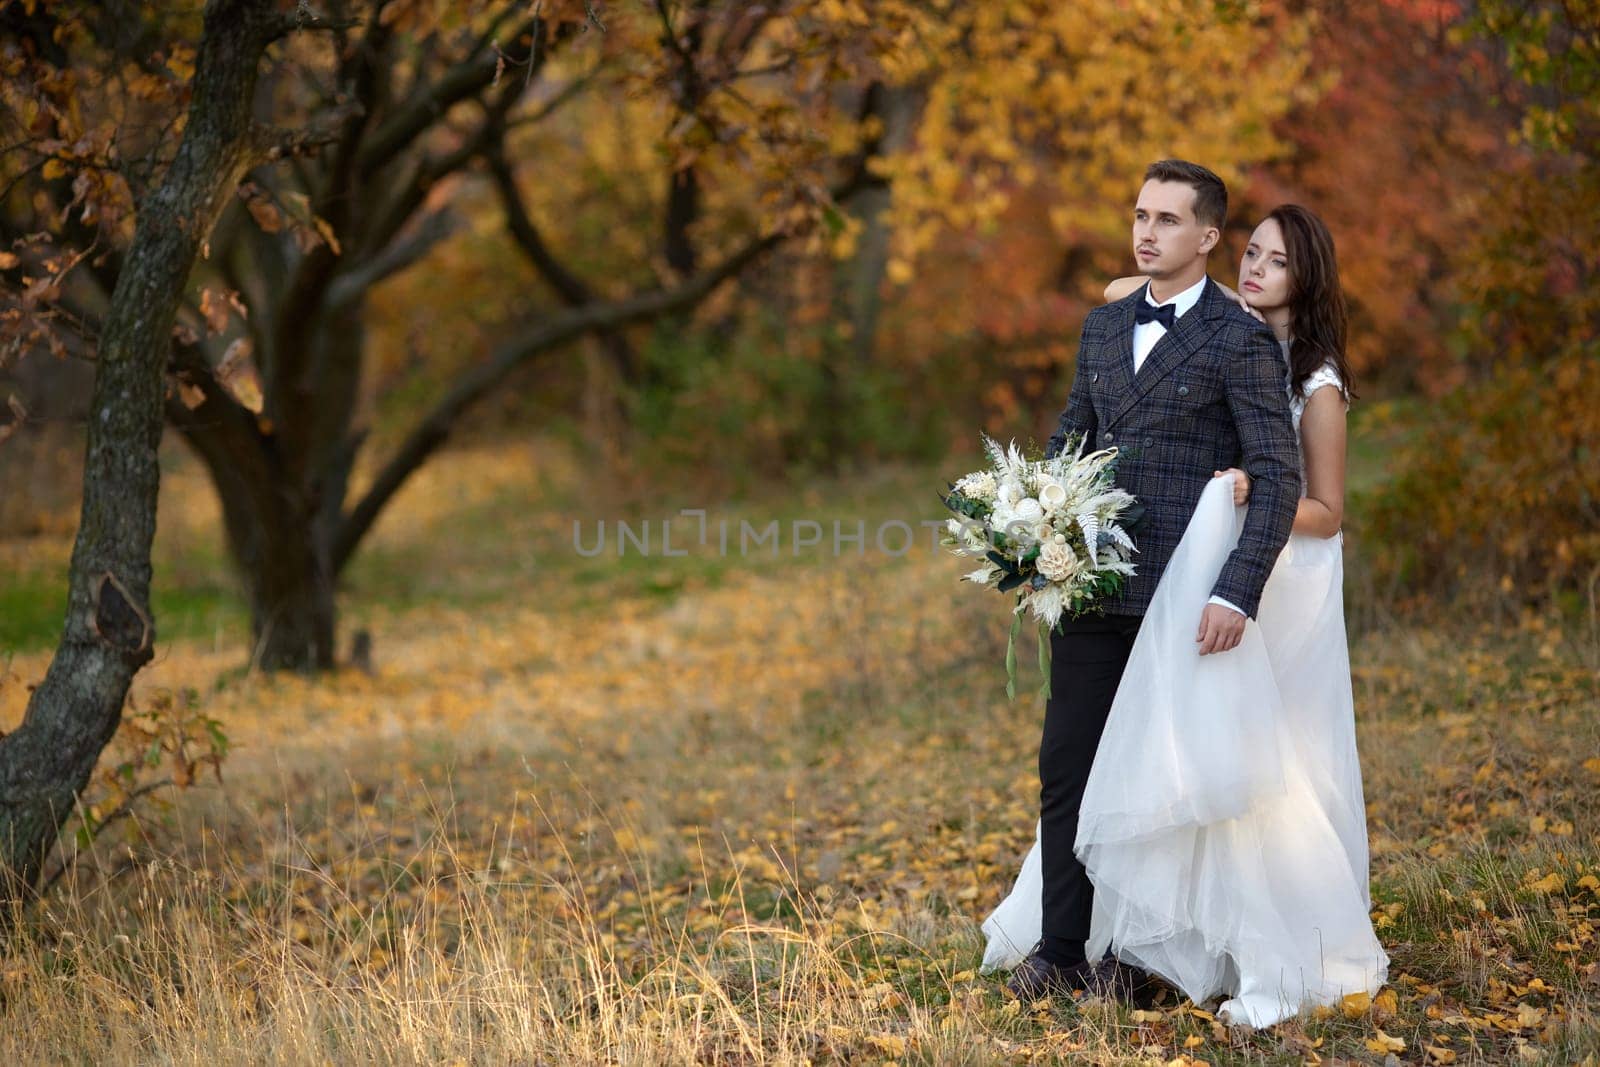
(1264, 280)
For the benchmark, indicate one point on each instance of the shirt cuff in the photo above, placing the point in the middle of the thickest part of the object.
(1227, 604)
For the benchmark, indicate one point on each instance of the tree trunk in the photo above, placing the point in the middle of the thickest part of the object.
(108, 633)
(859, 290)
(857, 301)
(292, 612)
(280, 530)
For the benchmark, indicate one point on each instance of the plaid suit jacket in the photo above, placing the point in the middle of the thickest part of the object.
(1212, 394)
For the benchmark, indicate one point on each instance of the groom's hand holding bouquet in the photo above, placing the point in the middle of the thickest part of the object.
(1053, 530)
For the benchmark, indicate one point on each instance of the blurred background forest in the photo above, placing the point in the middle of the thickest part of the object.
(501, 266)
(811, 238)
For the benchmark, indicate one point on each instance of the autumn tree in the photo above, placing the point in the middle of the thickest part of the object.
(1396, 153)
(1532, 273)
(1011, 197)
(109, 632)
(270, 359)
(1499, 499)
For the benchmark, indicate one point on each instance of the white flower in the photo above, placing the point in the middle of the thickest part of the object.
(1028, 510)
(1052, 495)
(1043, 532)
(1057, 562)
(1010, 491)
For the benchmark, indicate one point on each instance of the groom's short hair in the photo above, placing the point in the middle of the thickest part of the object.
(1210, 195)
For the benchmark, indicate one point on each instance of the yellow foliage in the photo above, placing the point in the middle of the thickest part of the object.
(1092, 91)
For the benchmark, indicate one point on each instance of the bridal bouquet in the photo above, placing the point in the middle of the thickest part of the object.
(1050, 529)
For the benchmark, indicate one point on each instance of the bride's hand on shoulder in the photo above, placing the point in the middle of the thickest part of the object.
(1241, 484)
(1118, 288)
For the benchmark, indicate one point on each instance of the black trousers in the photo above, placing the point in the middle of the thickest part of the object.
(1087, 658)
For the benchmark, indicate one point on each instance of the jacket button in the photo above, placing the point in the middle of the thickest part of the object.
(1108, 438)
(1183, 390)
(1095, 377)
(1149, 442)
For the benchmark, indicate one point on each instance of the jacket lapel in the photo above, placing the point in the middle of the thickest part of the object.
(1119, 369)
(1187, 336)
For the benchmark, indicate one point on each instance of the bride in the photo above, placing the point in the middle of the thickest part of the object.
(1223, 825)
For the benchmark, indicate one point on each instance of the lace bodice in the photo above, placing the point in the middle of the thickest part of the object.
(1323, 375)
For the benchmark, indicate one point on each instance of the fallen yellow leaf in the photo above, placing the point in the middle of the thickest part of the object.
(1356, 1005)
(1385, 1043)
(1550, 883)
(891, 1044)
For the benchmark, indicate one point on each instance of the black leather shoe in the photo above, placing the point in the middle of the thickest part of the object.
(1037, 977)
(1129, 984)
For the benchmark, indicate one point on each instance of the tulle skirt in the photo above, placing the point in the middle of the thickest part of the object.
(1223, 825)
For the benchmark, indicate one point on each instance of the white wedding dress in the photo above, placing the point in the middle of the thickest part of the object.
(1223, 825)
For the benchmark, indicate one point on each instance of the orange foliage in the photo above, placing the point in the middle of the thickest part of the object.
(1395, 158)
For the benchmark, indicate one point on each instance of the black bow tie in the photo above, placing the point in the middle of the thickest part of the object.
(1165, 314)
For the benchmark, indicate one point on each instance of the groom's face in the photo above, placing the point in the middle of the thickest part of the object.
(1167, 238)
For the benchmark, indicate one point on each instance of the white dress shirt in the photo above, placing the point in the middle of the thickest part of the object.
(1145, 336)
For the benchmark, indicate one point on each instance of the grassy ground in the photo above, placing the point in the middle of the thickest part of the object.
(722, 809)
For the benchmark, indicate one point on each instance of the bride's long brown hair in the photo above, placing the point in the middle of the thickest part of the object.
(1317, 312)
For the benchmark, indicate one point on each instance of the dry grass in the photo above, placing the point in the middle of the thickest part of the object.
(746, 815)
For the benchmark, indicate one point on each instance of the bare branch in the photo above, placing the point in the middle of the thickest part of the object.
(461, 82)
(568, 286)
(350, 285)
(272, 143)
(304, 17)
(435, 428)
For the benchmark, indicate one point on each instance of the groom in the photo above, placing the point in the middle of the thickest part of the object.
(1183, 383)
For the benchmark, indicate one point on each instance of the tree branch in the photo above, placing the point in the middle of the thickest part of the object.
(435, 428)
(271, 143)
(461, 82)
(568, 286)
(348, 286)
(571, 289)
(305, 18)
